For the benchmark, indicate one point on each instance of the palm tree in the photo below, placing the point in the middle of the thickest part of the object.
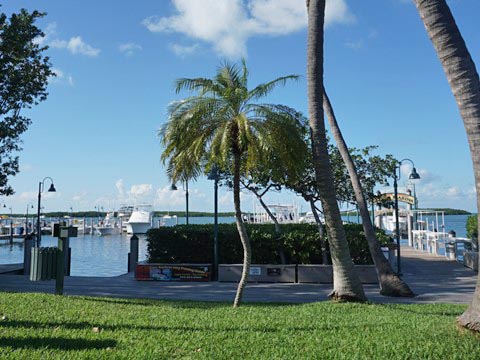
(346, 283)
(465, 84)
(390, 282)
(223, 125)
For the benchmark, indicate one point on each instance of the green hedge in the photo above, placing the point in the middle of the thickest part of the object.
(194, 244)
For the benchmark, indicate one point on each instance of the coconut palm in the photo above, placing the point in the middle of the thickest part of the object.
(465, 84)
(390, 282)
(346, 283)
(223, 124)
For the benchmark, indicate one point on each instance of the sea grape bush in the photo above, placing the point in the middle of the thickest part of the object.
(194, 244)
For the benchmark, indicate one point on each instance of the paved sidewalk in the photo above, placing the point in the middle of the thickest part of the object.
(432, 278)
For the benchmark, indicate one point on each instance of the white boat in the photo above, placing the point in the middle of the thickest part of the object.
(123, 215)
(82, 228)
(309, 218)
(283, 213)
(141, 220)
(108, 226)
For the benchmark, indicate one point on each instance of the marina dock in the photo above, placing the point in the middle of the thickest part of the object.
(434, 279)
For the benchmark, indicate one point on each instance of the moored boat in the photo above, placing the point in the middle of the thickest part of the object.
(141, 220)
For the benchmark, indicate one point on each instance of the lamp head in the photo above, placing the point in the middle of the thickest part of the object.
(173, 187)
(414, 175)
(52, 188)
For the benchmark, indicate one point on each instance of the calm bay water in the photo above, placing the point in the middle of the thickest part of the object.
(97, 255)
(107, 255)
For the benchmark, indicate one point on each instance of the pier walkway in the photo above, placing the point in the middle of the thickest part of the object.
(434, 279)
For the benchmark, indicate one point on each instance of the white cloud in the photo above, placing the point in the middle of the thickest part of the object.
(141, 190)
(355, 45)
(75, 45)
(129, 48)
(167, 199)
(61, 77)
(120, 188)
(212, 21)
(182, 50)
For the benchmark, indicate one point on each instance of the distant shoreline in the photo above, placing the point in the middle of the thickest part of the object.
(448, 211)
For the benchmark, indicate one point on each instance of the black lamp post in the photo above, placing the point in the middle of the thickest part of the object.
(173, 187)
(215, 176)
(413, 176)
(41, 185)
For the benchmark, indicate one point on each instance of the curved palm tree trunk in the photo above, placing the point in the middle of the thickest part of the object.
(346, 283)
(465, 84)
(321, 232)
(390, 282)
(242, 231)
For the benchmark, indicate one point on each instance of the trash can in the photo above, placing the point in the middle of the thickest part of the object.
(43, 263)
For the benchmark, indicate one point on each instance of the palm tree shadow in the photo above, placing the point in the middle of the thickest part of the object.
(59, 343)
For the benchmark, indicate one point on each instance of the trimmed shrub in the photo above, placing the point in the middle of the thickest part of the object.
(194, 244)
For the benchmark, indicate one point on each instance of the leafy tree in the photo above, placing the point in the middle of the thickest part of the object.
(223, 125)
(463, 78)
(24, 73)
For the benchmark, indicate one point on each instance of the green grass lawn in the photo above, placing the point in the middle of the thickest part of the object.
(48, 326)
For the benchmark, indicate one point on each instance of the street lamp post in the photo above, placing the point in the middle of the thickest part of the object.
(214, 175)
(173, 187)
(41, 185)
(413, 176)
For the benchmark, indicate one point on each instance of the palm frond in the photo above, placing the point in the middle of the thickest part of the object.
(262, 90)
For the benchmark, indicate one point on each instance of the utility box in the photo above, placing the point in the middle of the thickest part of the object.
(43, 263)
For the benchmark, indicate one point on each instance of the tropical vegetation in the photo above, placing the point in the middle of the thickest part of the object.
(225, 126)
(194, 244)
(24, 75)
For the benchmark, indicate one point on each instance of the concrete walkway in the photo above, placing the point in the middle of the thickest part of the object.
(434, 279)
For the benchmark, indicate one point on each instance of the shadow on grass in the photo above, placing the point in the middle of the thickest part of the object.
(154, 302)
(166, 328)
(183, 304)
(59, 343)
(429, 312)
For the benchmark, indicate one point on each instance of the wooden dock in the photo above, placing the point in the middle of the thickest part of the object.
(11, 269)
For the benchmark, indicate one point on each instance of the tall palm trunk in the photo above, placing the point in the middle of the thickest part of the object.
(390, 283)
(346, 283)
(465, 84)
(242, 231)
(321, 232)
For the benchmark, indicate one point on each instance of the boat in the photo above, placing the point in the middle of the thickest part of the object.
(124, 213)
(109, 225)
(309, 218)
(284, 214)
(141, 220)
(82, 228)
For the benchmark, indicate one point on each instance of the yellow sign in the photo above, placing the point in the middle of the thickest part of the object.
(409, 199)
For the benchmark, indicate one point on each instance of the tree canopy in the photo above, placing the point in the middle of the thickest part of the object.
(24, 74)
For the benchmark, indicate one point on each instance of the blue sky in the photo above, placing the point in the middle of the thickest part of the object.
(116, 62)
